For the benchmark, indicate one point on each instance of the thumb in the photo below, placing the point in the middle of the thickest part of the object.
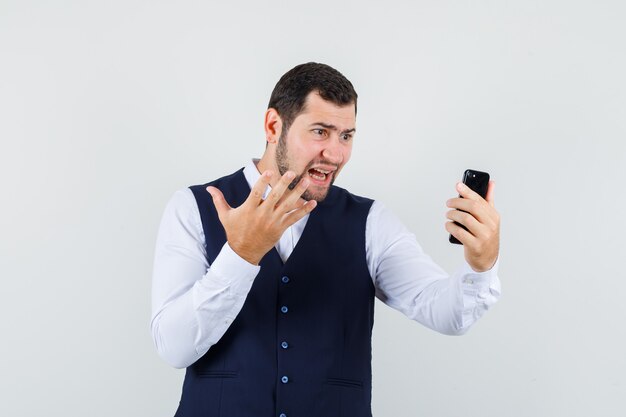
(490, 192)
(218, 200)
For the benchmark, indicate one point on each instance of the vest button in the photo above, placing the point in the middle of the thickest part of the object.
(284, 309)
(284, 345)
(285, 279)
(284, 379)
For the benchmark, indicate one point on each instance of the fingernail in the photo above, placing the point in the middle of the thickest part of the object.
(448, 203)
(290, 175)
(305, 183)
(459, 186)
(267, 174)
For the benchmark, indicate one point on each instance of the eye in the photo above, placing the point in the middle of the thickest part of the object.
(319, 131)
(347, 137)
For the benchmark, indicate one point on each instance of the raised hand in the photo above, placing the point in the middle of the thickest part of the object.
(481, 241)
(253, 228)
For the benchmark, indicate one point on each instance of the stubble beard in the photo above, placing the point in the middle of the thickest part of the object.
(282, 161)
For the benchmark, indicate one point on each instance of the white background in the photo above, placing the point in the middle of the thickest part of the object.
(107, 108)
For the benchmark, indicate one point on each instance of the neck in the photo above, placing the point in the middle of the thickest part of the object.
(267, 162)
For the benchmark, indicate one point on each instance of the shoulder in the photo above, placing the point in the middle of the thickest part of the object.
(222, 180)
(181, 201)
(181, 213)
(383, 218)
(233, 186)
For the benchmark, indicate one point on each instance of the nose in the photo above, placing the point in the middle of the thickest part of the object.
(333, 152)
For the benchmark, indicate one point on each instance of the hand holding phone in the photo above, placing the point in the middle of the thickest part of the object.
(477, 181)
(479, 228)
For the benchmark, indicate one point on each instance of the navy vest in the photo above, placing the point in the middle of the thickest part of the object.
(301, 344)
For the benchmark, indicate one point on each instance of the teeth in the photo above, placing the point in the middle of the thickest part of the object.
(318, 177)
(322, 177)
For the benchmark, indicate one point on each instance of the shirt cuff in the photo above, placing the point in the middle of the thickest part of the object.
(477, 278)
(237, 273)
(480, 291)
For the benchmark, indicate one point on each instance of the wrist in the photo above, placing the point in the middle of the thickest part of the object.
(483, 266)
(246, 254)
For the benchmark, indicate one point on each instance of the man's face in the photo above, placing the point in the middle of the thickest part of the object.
(318, 144)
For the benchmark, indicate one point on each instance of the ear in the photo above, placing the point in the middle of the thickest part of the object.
(273, 125)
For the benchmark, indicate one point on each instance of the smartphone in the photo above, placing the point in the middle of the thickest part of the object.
(477, 181)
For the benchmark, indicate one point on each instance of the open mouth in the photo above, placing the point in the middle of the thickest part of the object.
(319, 175)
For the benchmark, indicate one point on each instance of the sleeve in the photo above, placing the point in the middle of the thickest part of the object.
(409, 281)
(193, 304)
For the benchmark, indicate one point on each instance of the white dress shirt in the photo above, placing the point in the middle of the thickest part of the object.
(194, 303)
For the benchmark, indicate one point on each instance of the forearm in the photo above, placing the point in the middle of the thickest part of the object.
(184, 328)
(452, 305)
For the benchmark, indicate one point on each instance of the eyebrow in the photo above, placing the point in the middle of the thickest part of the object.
(332, 127)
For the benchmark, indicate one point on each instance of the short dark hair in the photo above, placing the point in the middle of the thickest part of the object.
(294, 86)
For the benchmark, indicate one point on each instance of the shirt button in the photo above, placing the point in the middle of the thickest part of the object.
(284, 345)
(284, 309)
(285, 279)
(469, 281)
(284, 379)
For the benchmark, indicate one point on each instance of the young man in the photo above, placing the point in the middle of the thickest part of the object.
(264, 280)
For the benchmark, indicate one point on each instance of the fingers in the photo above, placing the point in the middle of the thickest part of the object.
(481, 211)
(256, 194)
(481, 208)
(299, 203)
(465, 237)
(295, 215)
(218, 200)
(467, 192)
(277, 191)
(292, 200)
(467, 220)
(279, 197)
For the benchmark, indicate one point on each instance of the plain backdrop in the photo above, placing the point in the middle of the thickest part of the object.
(108, 107)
